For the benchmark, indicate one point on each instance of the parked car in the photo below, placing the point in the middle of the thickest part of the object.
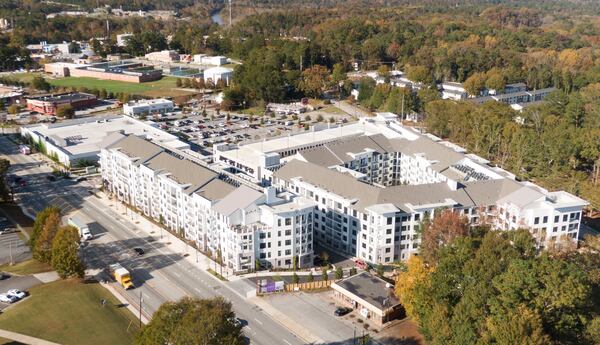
(4, 276)
(341, 311)
(17, 293)
(50, 178)
(7, 231)
(8, 298)
(139, 251)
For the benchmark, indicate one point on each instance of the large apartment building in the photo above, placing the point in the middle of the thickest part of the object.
(375, 181)
(233, 221)
(362, 190)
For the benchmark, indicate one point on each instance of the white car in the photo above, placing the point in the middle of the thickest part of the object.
(16, 293)
(7, 298)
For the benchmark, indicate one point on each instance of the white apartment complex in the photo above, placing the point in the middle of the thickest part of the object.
(234, 222)
(375, 181)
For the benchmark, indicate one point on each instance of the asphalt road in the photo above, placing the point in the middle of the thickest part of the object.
(160, 275)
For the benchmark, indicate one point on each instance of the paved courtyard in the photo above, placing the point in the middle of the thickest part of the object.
(314, 311)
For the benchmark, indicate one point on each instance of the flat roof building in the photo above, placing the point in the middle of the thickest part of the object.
(81, 139)
(121, 70)
(49, 104)
(371, 296)
(148, 107)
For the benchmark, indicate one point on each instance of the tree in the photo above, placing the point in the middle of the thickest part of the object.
(178, 82)
(441, 231)
(380, 270)
(38, 223)
(495, 80)
(419, 74)
(352, 271)
(520, 326)
(65, 111)
(409, 285)
(338, 73)
(13, 109)
(74, 48)
(43, 244)
(295, 278)
(103, 94)
(39, 83)
(192, 322)
(310, 277)
(339, 273)
(65, 253)
(366, 86)
(324, 275)
(314, 80)
(475, 83)
(4, 191)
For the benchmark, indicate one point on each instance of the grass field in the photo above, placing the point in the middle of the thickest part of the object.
(160, 88)
(27, 267)
(165, 87)
(69, 312)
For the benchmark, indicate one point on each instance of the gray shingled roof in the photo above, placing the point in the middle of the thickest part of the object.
(336, 153)
(469, 194)
(240, 198)
(182, 171)
(136, 147)
(215, 190)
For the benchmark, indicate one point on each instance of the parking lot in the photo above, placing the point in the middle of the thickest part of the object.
(206, 128)
(11, 244)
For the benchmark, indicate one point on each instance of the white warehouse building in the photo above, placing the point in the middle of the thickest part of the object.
(148, 107)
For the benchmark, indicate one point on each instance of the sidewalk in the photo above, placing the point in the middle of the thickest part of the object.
(25, 339)
(201, 261)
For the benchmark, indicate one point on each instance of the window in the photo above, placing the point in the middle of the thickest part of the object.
(388, 231)
(388, 240)
(279, 222)
(288, 221)
(545, 220)
(389, 220)
(288, 252)
(288, 232)
(536, 220)
(288, 242)
(387, 250)
(417, 216)
(565, 217)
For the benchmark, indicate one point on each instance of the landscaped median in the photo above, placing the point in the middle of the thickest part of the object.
(70, 312)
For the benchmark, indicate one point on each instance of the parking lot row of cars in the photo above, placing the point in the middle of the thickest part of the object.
(12, 296)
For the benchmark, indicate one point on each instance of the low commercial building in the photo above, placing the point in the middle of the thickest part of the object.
(204, 59)
(148, 107)
(81, 139)
(163, 56)
(371, 296)
(122, 39)
(128, 71)
(49, 104)
(10, 95)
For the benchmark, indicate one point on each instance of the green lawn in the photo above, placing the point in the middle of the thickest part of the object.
(163, 87)
(69, 312)
(26, 267)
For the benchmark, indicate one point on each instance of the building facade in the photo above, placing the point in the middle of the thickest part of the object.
(49, 104)
(238, 224)
(148, 107)
(377, 181)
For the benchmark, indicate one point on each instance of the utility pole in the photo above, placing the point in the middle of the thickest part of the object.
(230, 21)
(402, 118)
(141, 300)
(301, 63)
(10, 250)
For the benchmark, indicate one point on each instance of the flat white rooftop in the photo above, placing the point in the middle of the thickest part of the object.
(251, 153)
(86, 135)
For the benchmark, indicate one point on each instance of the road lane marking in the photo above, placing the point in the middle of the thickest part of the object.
(287, 342)
(260, 323)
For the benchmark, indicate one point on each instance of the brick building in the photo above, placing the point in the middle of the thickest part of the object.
(49, 104)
